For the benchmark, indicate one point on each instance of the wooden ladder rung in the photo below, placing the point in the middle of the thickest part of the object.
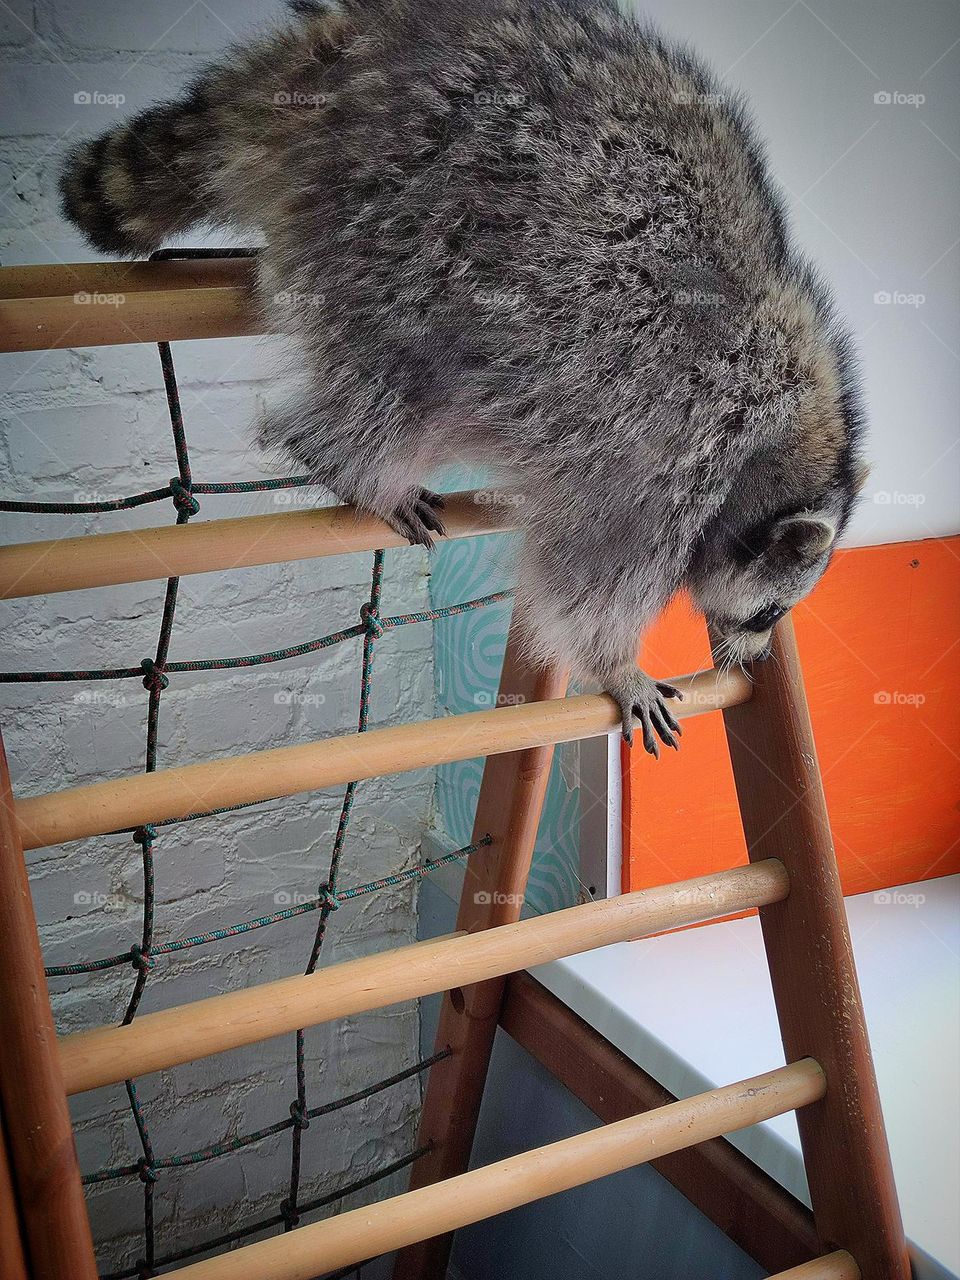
(445, 1206)
(112, 303)
(107, 1055)
(205, 546)
(832, 1266)
(126, 803)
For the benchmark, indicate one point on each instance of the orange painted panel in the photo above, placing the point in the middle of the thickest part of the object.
(879, 641)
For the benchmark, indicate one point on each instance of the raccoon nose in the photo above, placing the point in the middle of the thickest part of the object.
(765, 619)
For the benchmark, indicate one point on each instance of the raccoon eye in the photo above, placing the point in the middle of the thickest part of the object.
(765, 619)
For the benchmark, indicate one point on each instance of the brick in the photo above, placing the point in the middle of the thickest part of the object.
(165, 25)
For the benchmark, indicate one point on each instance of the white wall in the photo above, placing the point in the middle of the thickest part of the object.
(873, 193)
(79, 423)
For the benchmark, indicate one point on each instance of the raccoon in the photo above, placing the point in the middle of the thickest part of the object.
(538, 237)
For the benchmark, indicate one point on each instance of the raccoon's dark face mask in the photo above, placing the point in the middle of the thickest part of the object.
(745, 585)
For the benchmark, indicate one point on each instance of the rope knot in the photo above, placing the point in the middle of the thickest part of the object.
(289, 1215)
(371, 621)
(300, 1118)
(154, 681)
(183, 498)
(328, 900)
(145, 1170)
(145, 834)
(141, 960)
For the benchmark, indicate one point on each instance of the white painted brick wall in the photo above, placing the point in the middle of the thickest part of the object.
(92, 423)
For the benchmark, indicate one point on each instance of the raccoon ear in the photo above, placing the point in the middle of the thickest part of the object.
(803, 538)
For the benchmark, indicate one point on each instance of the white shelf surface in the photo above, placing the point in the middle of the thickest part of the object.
(695, 1010)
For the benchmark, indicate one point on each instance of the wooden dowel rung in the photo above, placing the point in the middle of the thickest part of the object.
(126, 803)
(107, 1055)
(833, 1266)
(51, 280)
(94, 304)
(168, 551)
(446, 1206)
(164, 315)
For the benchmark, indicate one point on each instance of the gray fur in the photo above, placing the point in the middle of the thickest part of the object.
(537, 237)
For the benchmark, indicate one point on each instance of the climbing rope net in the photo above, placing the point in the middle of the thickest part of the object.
(143, 954)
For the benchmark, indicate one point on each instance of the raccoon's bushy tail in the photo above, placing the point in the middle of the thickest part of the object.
(142, 181)
(201, 157)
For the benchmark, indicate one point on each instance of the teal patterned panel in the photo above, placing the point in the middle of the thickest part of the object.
(468, 656)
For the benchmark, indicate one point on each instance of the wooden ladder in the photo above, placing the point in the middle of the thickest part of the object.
(808, 950)
(792, 879)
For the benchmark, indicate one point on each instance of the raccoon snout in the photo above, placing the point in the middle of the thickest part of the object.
(739, 647)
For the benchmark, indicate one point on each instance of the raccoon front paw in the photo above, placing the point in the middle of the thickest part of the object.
(641, 699)
(416, 519)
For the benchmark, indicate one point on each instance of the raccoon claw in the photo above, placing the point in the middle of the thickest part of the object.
(642, 699)
(417, 519)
